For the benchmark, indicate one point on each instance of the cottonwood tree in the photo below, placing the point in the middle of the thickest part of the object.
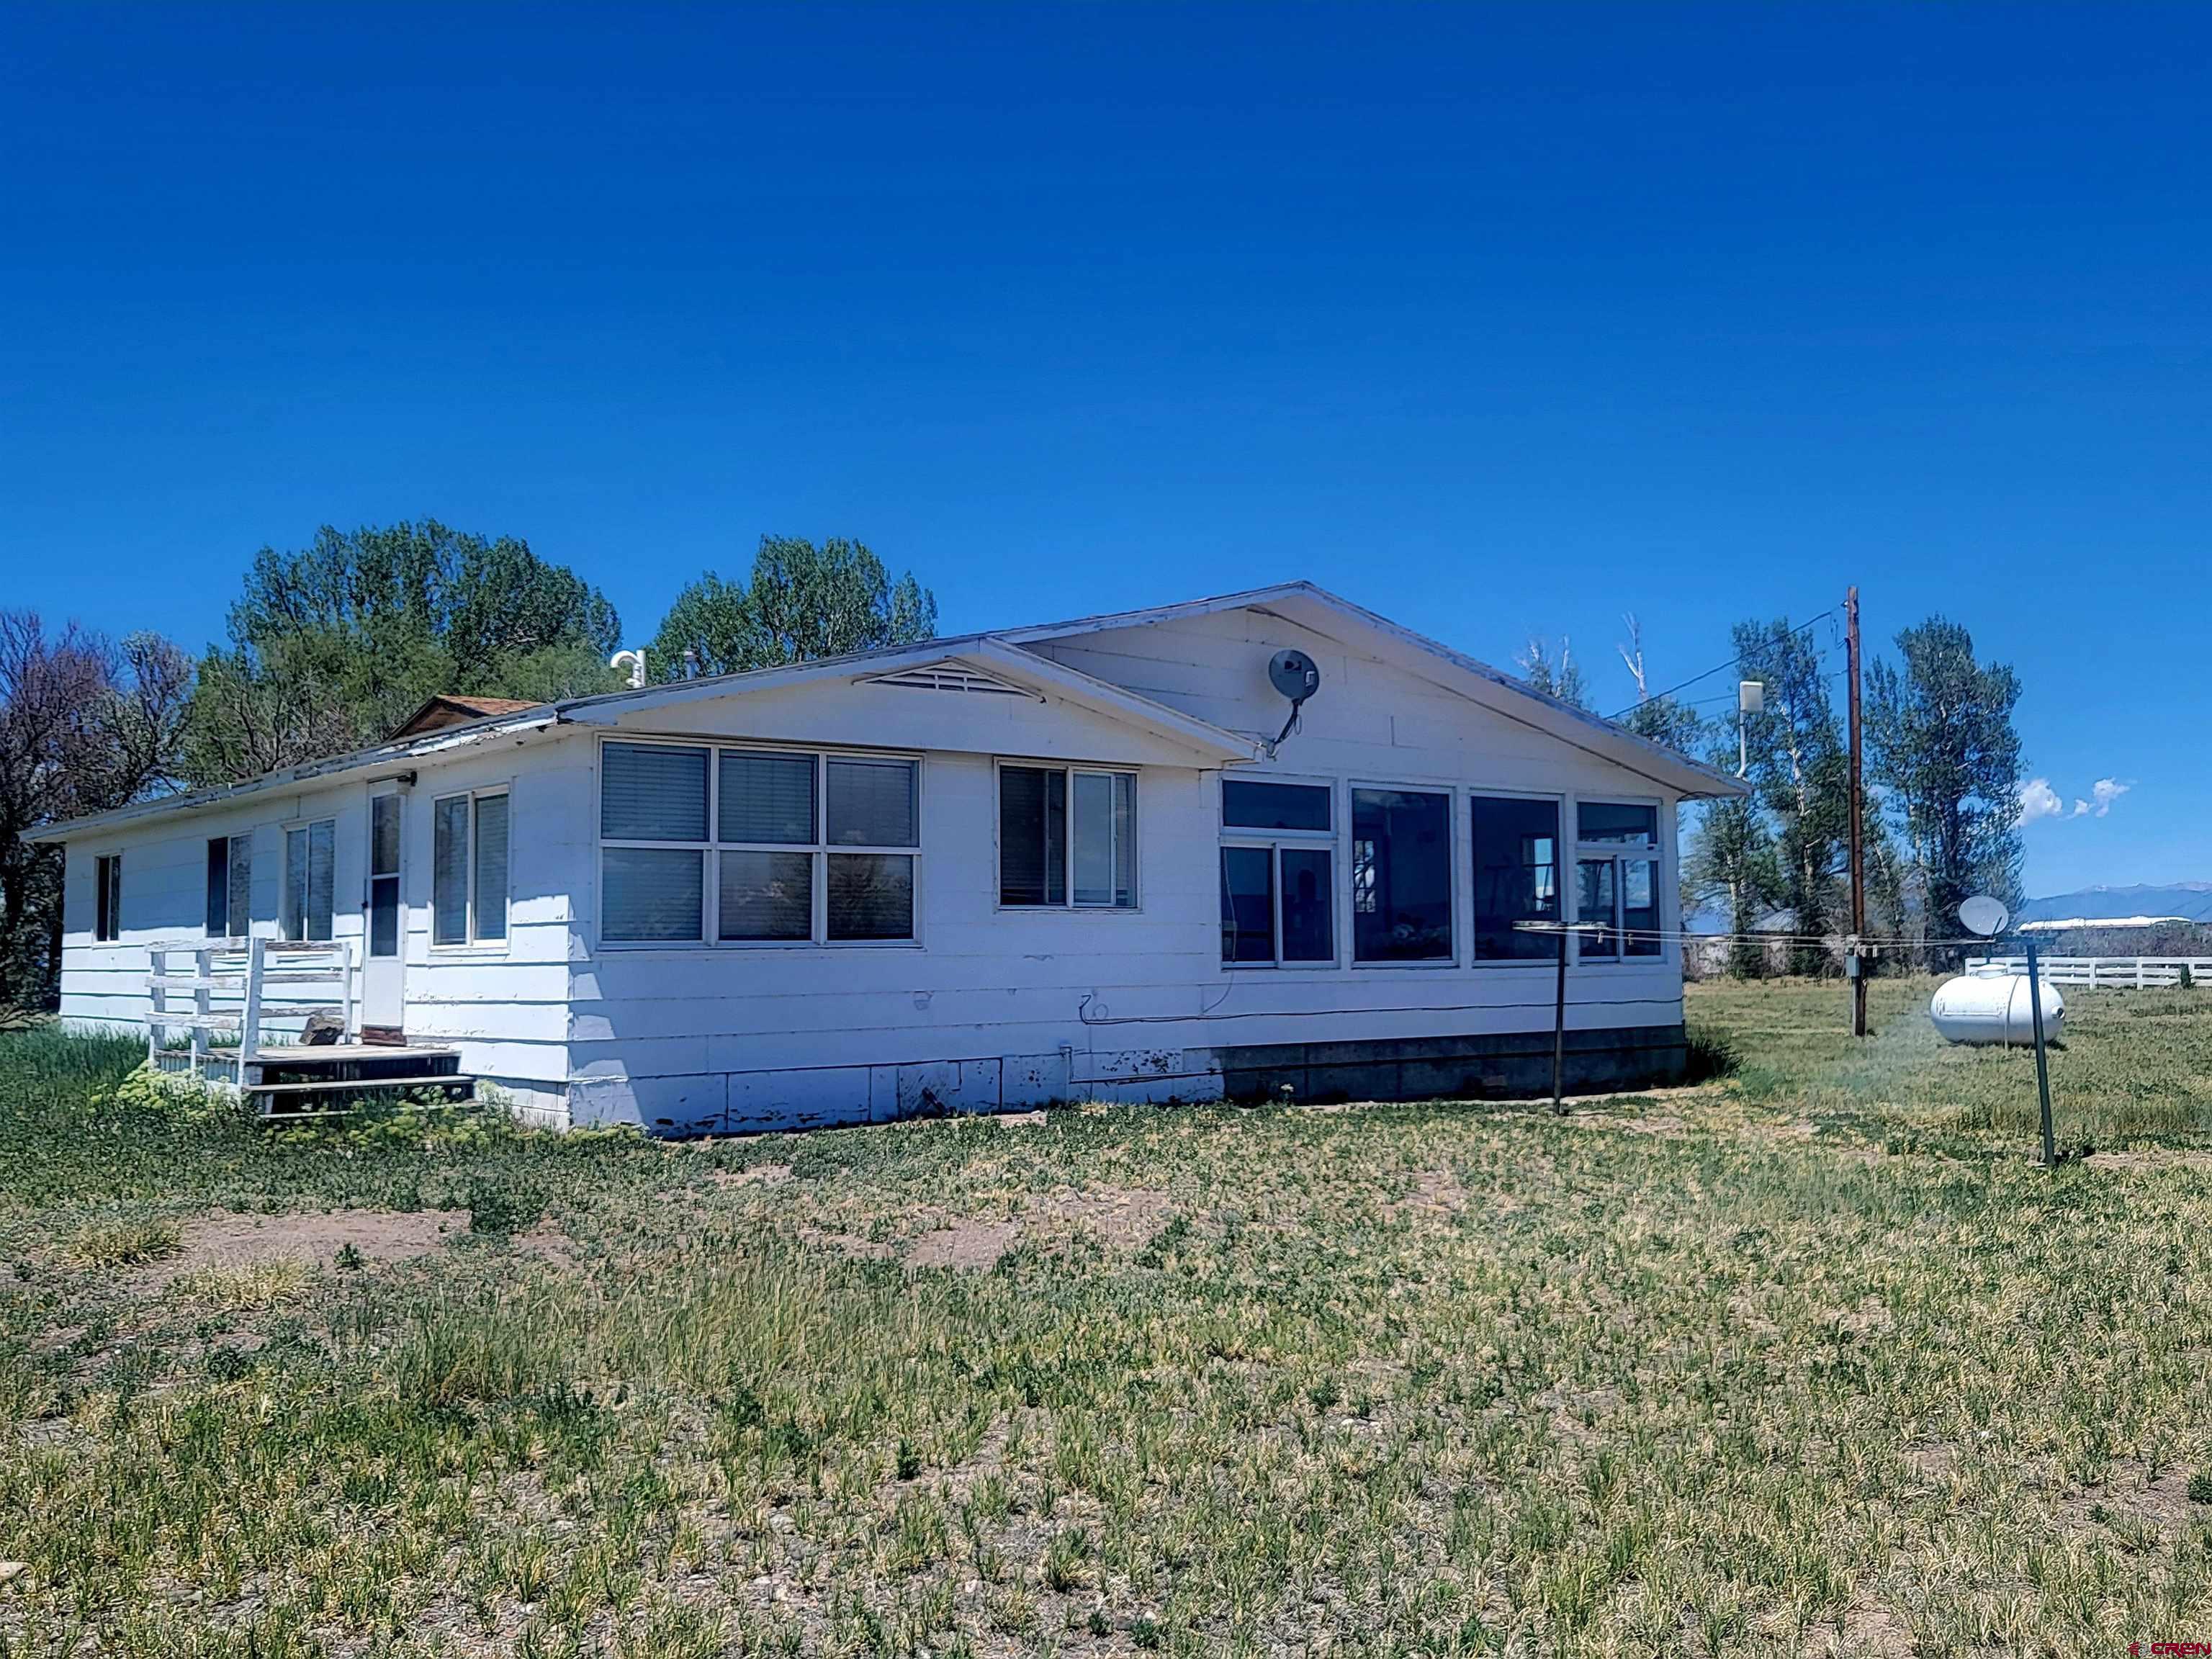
(330, 646)
(1559, 676)
(85, 725)
(1801, 774)
(1942, 745)
(1661, 719)
(799, 603)
(1732, 861)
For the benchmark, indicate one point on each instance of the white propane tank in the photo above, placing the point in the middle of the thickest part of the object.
(1992, 1006)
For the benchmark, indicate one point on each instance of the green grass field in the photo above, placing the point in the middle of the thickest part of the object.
(1813, 1360)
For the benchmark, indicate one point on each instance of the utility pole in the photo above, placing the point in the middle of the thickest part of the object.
(1855, 963)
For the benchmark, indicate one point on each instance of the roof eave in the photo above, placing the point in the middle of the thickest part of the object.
(430, 745)
(988, 650)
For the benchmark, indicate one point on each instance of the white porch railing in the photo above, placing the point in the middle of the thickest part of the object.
(2108, 973)
(243, 986)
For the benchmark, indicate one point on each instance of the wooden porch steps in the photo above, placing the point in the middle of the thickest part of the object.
(329, 1079)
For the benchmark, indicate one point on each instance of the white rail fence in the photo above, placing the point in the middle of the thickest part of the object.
(2108, 973)
(238, 993)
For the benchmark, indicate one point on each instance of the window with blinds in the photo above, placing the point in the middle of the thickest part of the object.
(1067, 834)
(468, 869)
(803, 847)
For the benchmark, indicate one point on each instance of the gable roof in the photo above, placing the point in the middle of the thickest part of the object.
(1001, 655)
(1334, 617)
(446, 708)
(987, 654)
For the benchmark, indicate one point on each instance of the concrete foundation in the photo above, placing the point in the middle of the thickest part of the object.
(1515, 1067)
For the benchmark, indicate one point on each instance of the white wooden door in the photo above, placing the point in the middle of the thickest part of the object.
(383, 988)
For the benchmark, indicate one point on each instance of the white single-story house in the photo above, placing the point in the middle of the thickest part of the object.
(1040, 863)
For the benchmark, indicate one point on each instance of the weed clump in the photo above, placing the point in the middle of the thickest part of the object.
(502, 1206)
(125, 1243)
(1710, 1054)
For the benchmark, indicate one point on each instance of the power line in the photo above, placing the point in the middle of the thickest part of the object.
(1734, 661)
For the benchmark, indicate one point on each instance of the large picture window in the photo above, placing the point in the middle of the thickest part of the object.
(1401, 876)
(310, 879)
(1516, 875)
(1278, 883)
(1617, 879)
(229, 886)
(759, 846)
(1067, 835)
(468, 869)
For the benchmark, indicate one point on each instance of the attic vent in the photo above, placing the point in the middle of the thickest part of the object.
(952, 676)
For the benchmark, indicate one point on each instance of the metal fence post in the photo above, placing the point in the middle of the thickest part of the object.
(2042, 1064)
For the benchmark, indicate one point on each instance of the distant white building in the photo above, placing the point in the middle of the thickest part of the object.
(989, 871)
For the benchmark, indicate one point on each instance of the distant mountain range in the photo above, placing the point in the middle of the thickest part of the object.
(2190, 900)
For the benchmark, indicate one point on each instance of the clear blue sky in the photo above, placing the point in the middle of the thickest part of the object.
(1497, 321)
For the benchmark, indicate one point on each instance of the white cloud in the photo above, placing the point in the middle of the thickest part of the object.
(2038, 799)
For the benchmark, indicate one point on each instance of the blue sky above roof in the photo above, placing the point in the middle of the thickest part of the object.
(1492, 321)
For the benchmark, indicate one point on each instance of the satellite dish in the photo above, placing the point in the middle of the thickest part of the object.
(1294, 675)
(1985, 915)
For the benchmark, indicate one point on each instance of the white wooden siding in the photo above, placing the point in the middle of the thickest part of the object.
(992, 1006)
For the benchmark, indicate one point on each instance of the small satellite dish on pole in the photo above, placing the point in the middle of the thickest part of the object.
(1970, 1010)
(1293, 674)
(1985, 915)
(1297, 677)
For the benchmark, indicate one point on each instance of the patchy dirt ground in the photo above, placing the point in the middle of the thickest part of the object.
(975, 1246)
(224, 1240)
(2151, 1158)
(760, 1174)
(1124, 1219)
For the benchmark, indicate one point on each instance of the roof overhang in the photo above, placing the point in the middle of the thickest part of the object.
(445, 742)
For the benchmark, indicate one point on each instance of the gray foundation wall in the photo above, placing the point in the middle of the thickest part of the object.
(1513, 1066)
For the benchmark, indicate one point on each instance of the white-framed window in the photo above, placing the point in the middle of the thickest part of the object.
(107, 898)
(229, 886)
(1617, 879)
(1067, 837)
(468, 868)
(385, 813)
(1278, 873)
(1401, 875)
(310, 879)
(734, 844)
(1515, 841)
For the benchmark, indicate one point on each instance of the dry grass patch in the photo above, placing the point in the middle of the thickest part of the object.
(124, 1243)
